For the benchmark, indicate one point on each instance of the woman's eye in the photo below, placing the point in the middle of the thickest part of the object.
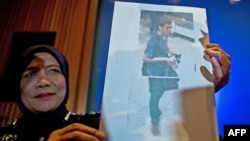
(30, 74)
(54, 71)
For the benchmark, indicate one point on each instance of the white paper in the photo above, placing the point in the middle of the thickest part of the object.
(188, 113)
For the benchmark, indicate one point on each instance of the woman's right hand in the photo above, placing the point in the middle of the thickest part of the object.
(77, 131)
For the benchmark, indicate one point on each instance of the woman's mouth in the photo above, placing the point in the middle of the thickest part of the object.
(44, 95)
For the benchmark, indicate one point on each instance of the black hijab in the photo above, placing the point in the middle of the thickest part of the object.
(23, 61)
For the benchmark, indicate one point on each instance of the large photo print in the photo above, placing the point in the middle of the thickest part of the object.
(157, 83)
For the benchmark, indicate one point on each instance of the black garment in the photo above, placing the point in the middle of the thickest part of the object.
(40, 127)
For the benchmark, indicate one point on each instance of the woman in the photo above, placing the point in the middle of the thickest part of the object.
(42, 86)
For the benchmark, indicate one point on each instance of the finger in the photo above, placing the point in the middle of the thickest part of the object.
(216, 52)
(208, 54)
(217, 71)
(210, 45)
(221, 57)
(225, 63)
(212, 53)
(216, 67)
(216, 47)
(223, 60)
(78, 135)
(211, 50)
(81, 128)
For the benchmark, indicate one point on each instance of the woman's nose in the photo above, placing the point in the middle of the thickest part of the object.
(43, 82)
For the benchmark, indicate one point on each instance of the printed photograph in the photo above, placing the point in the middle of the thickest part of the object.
(154, 61)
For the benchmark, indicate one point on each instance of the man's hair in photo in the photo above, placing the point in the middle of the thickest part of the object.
(164, 20)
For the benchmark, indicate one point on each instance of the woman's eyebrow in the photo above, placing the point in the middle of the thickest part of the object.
(31, 68)
(53, 65)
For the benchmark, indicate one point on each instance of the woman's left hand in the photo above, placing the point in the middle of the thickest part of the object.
(221, 63)
(77, 131)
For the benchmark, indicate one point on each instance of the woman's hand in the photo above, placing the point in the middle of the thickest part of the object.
(221, 63)
(77, 131)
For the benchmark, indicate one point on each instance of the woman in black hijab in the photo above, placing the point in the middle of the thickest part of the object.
(41, 83)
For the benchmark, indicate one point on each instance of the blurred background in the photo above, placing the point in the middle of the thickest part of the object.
(81, 30)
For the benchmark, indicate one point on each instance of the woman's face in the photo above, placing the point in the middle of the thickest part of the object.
(43, 86)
